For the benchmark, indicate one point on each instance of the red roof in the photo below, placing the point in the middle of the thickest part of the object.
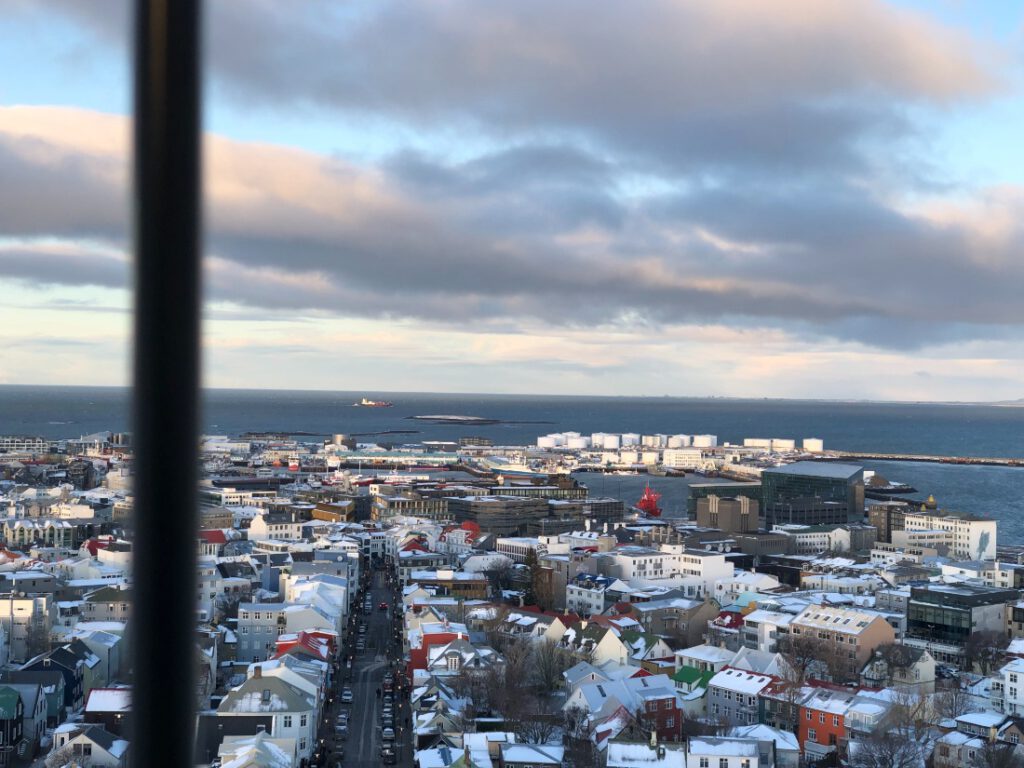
(307, 642)
(94, 546)
(728, 620)
(213, 536)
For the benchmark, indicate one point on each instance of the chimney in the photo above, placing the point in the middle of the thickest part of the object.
(257, 672)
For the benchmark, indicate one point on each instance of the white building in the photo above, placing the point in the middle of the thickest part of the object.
(722, 752)
(762, 629)
(1007, 689)
(682, 458)
(973, 537)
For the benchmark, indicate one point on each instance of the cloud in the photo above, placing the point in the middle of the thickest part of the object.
(718, 86)
(421, 238)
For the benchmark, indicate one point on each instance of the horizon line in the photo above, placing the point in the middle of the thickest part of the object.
(992, 403)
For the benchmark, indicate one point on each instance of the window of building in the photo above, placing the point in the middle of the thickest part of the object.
(835, 720)
(303, 720)
(703, 762)
(287, 721)
(723, 762)
(812, 735)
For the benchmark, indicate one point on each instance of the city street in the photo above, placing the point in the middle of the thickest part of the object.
(363, 745)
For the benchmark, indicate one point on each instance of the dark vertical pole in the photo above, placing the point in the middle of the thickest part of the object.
(166, 396)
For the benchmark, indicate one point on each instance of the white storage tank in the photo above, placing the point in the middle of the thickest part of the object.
(611, 442)
(650, 458)
(705, 441)
(577, 442)
(597, 439)
(814, 444)
(571, 434)
(679, 441)
(757, 442)
(630, 438)
(546, 441)
(559, 439)
(783, 444)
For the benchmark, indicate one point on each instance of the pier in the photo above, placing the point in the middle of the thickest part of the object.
(976, 460)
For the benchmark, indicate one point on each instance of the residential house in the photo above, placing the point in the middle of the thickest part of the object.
(295, 714)
(900, 666)
(12, 723)
(723, 752)
(733, 696)
(822, 728)
(50, 682)
(33, 701)
(90, 745)
(110, 708)
(111, 603)
(532, 755)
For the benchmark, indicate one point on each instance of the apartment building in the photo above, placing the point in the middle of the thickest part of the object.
(970, 537)
(940, 617)
(851, 635)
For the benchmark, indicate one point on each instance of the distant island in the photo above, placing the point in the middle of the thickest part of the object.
(469, 420)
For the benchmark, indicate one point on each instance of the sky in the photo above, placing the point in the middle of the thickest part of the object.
(748, 198)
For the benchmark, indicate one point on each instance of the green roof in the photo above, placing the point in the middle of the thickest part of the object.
(8, 703)
(690, 675)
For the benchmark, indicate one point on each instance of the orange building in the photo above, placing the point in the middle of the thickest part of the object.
(822, 727)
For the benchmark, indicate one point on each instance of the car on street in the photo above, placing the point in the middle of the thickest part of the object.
(341, 731)
(383, 606)
(346, 695)
(389, 756)
(388, 733)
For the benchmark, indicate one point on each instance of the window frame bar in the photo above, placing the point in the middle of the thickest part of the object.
(166, 232)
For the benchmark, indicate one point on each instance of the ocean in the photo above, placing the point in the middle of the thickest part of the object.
(913, 428)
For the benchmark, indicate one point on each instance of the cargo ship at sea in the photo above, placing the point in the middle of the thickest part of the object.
(367, 403)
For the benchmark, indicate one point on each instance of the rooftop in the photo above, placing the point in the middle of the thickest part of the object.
(829, 470)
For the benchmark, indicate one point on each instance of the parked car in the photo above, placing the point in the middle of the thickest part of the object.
(346, 695)
(388, 733)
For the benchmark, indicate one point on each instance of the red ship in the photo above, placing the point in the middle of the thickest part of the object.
(648, 503)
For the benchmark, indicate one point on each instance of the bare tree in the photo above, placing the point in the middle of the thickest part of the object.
(807, 657)
(500, 573)
(952, 702)
(59, 758)
(996, 754)
(984, 651)
(910, 714)
(574, 722)
(549, 662)
(887, 749)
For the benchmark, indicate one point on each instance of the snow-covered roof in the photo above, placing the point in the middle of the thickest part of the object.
(739, 680)
(723, 746)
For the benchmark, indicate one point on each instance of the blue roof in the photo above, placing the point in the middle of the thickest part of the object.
(828, 469)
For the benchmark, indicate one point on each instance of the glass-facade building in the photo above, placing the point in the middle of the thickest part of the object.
(813, 493)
